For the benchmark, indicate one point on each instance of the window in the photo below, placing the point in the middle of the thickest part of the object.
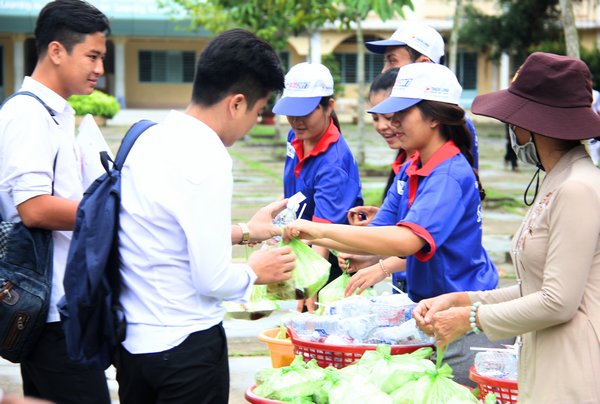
(466, 70)
(348, 61)
(166, 66)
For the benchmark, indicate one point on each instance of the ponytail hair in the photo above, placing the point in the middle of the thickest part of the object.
(453, 127)
(325, 104)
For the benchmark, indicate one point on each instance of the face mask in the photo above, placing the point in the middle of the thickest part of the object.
(527, 152)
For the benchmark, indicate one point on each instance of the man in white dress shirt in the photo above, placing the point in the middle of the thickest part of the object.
(40, 176)
(175, 231)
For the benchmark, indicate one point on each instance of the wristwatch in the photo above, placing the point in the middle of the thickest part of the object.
(245, 233)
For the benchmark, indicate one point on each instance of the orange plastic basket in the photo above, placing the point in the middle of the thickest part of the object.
(506, 391)
(339, 356)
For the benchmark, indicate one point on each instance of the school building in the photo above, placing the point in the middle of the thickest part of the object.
(151, 56)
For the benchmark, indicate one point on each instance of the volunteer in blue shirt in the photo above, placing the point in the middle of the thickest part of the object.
(319, 162)
(368, 266)
(432, 213)
(417, 42)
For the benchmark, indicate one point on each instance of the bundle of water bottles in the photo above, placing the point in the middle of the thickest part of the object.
(498, 363)
(385, 319)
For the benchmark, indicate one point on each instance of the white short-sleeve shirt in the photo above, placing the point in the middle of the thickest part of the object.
(30, 141)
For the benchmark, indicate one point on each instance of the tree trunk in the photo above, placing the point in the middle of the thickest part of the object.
(568, 21)
(360, 78)
(458, 11)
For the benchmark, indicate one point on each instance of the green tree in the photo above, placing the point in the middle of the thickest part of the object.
(519, 27)
(277, 20)
(272, 20)
(351, 13)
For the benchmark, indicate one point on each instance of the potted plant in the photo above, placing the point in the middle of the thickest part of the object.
(102, 106)
(267, 117)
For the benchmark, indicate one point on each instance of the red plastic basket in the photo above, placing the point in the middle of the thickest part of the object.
(253, 398)
(339, 356)
(506, 391)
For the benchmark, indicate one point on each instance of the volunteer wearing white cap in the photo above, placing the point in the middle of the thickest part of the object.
(411, 43)
(432, 213)
(416, 42)
(319, 162)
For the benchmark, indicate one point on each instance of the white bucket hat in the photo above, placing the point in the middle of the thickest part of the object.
(421, 37)
(305, 85)
(420, 81)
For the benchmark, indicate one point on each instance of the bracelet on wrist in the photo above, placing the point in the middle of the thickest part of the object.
(245, 233)
(473, 318)
(387, 274)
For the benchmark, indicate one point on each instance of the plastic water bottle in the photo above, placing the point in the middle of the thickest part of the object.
(499, 364)
(288, 215)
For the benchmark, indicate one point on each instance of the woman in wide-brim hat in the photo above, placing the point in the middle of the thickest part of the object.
(555, 305)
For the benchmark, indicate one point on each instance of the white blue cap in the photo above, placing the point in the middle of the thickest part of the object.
(417, 82)
(414, 34)
(305, 85)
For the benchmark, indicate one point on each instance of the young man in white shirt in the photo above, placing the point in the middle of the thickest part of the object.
(40, 176)
(175, 231)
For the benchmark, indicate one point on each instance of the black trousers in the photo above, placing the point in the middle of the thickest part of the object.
(196, 371)
(48, 373)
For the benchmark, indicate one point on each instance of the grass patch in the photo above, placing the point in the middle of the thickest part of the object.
(257, 166)
(262, 131)
(374, 170)
(372, 196)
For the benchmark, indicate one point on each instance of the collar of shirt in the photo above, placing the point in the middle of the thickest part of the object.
(331, 135)
(400, 160)
(414, 171)
(51, 98)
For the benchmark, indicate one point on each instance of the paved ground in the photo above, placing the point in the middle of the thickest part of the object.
(258, 184)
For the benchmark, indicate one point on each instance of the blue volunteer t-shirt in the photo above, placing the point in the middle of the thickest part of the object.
(440, 203)
(327, 176)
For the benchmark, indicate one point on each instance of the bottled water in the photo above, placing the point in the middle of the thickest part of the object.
(498, 364)
(288, 215)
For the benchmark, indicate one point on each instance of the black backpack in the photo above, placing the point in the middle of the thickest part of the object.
(92, 317)
(25, 280)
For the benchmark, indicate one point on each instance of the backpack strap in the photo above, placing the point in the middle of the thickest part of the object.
(52, 115)
(29, 93)
(130, 137)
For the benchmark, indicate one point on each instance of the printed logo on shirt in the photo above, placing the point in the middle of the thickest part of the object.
(400, 185)
(479, 214)
(291, 152)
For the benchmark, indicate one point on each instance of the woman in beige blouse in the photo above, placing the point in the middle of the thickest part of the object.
(555, 305)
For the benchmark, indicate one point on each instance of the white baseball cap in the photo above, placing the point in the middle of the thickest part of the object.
(417, 82)
(305, 85)
(414, 34)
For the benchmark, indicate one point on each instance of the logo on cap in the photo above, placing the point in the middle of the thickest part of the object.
(403, 82)
(298, 85)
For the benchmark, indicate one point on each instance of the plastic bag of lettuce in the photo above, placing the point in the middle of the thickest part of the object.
(377, 377)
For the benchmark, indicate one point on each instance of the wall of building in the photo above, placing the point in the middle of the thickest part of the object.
(6, 42)
(156, 95)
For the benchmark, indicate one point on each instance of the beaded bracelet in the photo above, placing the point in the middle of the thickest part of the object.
(387, 274)
(473, 318)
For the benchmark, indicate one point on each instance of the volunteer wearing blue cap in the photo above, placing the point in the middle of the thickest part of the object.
(416, 42)
(319, 162)
(432, 213)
